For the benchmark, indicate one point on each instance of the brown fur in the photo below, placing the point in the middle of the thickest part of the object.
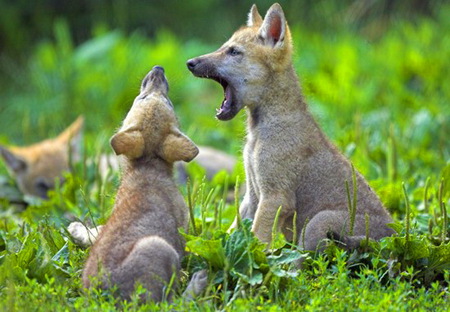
(288, 160)
(36, 167)
(140, 242)
(212, 160)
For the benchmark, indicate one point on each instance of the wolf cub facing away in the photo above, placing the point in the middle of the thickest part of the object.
(35, 167)
(140, 242)
(289, 163)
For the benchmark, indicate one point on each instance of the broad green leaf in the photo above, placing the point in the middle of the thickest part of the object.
(211, 250)
(277, 271)
(255, 279)
(417, 249)
(440, 257)
(286, 256)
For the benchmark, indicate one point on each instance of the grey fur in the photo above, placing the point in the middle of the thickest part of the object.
(288, 160)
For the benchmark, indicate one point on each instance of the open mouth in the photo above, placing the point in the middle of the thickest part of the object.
(231, 105)
(228, 109)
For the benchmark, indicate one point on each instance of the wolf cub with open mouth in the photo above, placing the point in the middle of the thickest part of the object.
(140, 242)
(289, 163)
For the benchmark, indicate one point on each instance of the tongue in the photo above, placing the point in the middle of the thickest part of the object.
(227, 93)
(227, 109)
(226, 104)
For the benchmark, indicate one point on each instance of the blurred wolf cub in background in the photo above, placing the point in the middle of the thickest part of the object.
(289, 163)
(140, 242)
(35, 167)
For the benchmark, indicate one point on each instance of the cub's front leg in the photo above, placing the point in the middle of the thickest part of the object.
(266, 214)
(247, 209)
(249, 204)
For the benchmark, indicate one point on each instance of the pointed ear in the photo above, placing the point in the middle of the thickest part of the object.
(254, 18)
(177, 146)
(73, 130)
(73, 137)
(129, 143)
(76, 146)
(273, 29)
(13, 161)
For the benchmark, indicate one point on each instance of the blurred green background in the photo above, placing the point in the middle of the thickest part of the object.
(375, 73)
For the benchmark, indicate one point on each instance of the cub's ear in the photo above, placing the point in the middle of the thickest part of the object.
(177, 146)
(273, 29)
(129, 143)
(13, 161)
(73, 130)
(254, 18)
(73, 137)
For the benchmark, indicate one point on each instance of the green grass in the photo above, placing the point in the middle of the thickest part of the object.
(385, 104)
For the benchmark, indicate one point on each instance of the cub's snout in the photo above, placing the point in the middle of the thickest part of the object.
(155, 80)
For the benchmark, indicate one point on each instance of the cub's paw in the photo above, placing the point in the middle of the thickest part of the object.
(197, 285)
(265, 236)
(81, 235)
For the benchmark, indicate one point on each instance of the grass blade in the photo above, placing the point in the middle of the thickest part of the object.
(275, 227)
(352, 203)
(407, 215)
(443, 212)
(236, 203)
(190, 206)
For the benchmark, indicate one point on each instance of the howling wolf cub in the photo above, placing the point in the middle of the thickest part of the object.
(289, 162)
(140, 242)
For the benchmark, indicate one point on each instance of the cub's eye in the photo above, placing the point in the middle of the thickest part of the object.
(42, 187)
(233, 51)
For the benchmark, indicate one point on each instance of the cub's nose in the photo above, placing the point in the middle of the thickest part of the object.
(155, 79)
(192, 63)
(158, 68)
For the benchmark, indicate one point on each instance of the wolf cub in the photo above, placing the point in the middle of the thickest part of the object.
(35, 167)
(289, 162)
(140, 242)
